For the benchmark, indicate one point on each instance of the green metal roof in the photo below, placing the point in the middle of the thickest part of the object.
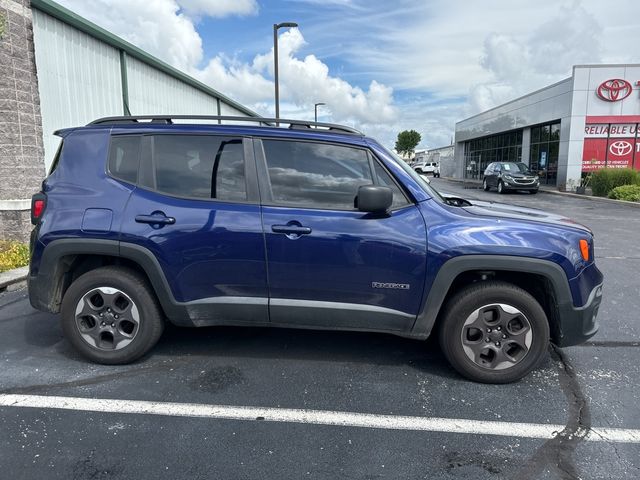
(67, 16)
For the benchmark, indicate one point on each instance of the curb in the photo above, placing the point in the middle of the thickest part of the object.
(557, 192)
(13, 279)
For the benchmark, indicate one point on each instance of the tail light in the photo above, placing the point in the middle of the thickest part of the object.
(38, 205)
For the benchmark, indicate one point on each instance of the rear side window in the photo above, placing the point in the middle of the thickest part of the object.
(198, 166)
(316, 175)
(124, 157)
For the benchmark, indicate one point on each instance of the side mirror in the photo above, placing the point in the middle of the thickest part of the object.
(374, 198)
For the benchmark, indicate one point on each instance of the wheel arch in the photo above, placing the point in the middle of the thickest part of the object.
(65, 260)
(544, 280)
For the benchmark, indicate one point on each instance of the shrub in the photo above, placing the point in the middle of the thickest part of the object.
(13, 255)
(607, 179)
(630, 193)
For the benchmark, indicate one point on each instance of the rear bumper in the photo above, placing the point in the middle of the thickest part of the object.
(579, 324)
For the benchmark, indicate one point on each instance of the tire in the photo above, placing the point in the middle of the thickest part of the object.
(485, 185)
(111, 315)
(504, 308)
(533, 192)
(501, 189)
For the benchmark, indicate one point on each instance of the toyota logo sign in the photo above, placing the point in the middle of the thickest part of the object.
(620, 148)
(614, 90)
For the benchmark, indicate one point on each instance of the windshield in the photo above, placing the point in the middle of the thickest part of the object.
(514, 167)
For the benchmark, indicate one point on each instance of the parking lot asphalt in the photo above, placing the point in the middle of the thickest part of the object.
(596, 385)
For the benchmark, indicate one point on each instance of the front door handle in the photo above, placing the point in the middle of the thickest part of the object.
(155, 219)
(291, 229)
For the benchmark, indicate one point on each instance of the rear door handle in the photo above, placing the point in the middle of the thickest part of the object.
(291, 229)
(155, 219)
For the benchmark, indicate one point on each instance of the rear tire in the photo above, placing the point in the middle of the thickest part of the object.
(493, 332)
(111, 315)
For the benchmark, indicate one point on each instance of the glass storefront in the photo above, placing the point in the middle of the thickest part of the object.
(480, 152)
(543, 157)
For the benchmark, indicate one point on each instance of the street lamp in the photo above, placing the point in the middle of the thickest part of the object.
(315, 110)
(276, 26)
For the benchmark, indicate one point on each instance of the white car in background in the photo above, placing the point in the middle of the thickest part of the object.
(424, 167)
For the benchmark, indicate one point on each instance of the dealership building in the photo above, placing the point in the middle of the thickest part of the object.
(583, 123)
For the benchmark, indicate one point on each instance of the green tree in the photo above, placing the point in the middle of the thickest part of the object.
(407, 142)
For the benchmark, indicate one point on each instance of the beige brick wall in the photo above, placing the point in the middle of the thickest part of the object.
(21, 150)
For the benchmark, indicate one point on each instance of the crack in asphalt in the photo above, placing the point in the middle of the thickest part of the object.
(557, 453)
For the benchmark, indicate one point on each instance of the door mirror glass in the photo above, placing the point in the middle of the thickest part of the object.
(374, 198)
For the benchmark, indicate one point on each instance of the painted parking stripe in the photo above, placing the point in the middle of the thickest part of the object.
(315, 417)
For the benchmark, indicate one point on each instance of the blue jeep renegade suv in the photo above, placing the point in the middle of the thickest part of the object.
(144, 220)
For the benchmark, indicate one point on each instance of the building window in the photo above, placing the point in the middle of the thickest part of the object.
(545, 145)
(480, 152)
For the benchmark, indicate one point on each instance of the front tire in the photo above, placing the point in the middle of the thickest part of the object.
(501, 188)
(493, 332)
(111, 315)
(485, 185)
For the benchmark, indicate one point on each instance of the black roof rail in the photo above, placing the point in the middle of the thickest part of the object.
(168, 119)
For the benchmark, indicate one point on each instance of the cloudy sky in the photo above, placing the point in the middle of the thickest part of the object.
(383, 66)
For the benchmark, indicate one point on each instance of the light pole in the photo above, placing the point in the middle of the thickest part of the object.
(315, 110)
(276, 26)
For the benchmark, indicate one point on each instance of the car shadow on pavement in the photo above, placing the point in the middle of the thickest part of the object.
(304, 345)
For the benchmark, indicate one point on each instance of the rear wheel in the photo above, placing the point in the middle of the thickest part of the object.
(494, 332)
(111, 315)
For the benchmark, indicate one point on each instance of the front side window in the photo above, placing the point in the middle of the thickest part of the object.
(316, 175)
(200, 166)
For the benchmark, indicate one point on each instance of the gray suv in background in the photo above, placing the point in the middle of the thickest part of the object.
(510, 176)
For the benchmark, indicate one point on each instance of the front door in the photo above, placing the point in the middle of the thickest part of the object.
(330, 265)
(196, 209)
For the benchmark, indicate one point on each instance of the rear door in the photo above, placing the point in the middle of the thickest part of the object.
(330, 265)
(196, 210)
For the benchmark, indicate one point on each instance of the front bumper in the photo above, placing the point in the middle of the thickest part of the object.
(513, 185)
(579, 324)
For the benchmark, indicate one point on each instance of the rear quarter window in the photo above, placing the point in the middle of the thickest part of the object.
(124, 157)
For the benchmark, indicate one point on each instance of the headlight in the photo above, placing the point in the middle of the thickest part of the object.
(507, 177)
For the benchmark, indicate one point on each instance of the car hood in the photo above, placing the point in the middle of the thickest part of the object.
(502, 210)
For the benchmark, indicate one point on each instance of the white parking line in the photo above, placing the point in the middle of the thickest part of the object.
(315, 417)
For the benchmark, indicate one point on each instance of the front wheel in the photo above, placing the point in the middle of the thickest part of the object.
(111, 315)
(501, 188)
(485, 185)
(494, 332)
(533, 192)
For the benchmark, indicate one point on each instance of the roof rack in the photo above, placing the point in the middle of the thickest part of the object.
(168, 119)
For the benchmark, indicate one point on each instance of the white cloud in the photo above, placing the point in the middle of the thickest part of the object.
(218, 8)
(169, 34)
(520, 65)
(156, 26)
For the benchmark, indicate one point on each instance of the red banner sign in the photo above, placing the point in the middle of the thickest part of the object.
(611, 145)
